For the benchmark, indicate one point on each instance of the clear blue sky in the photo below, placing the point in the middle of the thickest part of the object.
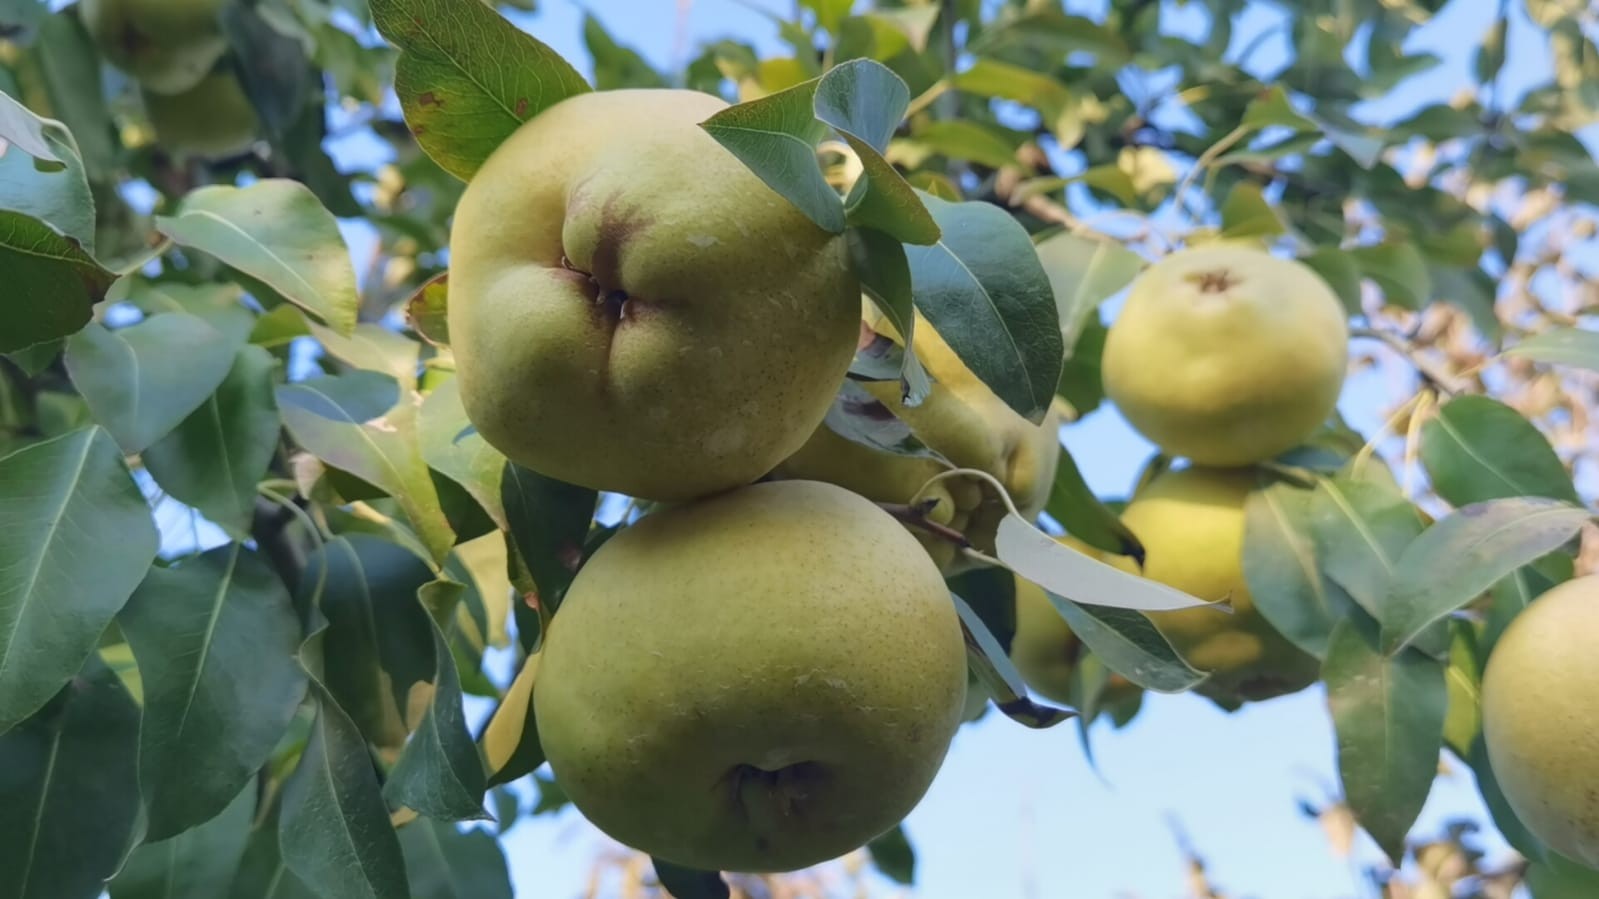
(1020, 813)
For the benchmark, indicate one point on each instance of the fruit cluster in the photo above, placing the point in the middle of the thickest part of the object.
(178, 54)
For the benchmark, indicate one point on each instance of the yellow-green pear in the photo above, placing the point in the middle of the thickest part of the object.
(1191, 523)
(1044, 649)
(1227, 355)
(631, 309)
(1540, 718)
(212, 120)
(168, 46)
(962, 420)
(758, 681)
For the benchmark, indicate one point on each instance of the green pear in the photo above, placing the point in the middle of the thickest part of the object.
(632, 310)
(962, 420)
(1191, 523)
(168, 46)
(757, 681)
(1226, 354)
(1540, 718)
(212, 120)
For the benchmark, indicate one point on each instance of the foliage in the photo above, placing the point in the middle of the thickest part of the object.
(275, 686)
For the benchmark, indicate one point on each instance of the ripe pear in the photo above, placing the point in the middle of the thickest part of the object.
(758, 681)
(631, 309)
(212, 120)
(1540, 718)
(1191, 523)
(1227, 355)
(962, 420)
(168, 46)
(1044, 649)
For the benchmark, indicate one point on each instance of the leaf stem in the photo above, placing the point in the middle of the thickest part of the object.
(1435, 376)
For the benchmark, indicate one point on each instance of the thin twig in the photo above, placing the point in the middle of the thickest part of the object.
(1444, 381)
(916, 517)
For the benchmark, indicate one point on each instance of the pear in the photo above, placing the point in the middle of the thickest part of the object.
(1191, 523)
(168, 46)
(757, 681)
(962, 420)
(212, 120)
(1227, 355)
(1540, 718)
(632, 310)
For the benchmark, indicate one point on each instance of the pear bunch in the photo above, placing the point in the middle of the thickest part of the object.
(177, 52)
(753, 676)
(1227, 356)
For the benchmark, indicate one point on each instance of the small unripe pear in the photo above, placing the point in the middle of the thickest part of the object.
(1540, 718)
(212, 120)
(1191, 523)
(757, 681)
(168, 46)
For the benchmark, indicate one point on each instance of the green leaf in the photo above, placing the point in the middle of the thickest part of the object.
(143, 381)
(467, 78)
(893, 855)
(55, 192)
(864, 101)
(1084, 516)
(70, 68)
(372, 347)
(443, 862)
(983, 289)
(262, 873)
(1273, 108)
(377, 647)
(967, 140)
(383, 449)
(1399, 269)
(439, 772)
(70, 790)
(52, 284)
(687, 883)
(549, 520)
(1455, 560)
(278, 233)
(1052, 31)
(878, 260)
(427, 310)
(1082, 380)
(1388, 713)
(1002, 80)
(465, 458)
(220, 305)
(1283, 569)
(1561, 346)
(1556, 877)
(214, 458)
(26, 131)
(198, 862)
(776, 137)
(78, 541)
(1463, 680)
(1477, 448)
(994, 670)
(1490, 58)
(1126, 641)
(215, 638)
(334, 829)
(1245, 213)
(1360, 528)
(1083, 273)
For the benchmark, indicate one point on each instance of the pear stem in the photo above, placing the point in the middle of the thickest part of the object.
(916, 517)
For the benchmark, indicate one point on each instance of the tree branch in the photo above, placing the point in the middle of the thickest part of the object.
(916, 517)
(1444, 381)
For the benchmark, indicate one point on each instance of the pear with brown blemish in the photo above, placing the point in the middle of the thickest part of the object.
(758, 681)
(632, 310)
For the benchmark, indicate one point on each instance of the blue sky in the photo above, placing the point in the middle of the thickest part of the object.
(1020, 813)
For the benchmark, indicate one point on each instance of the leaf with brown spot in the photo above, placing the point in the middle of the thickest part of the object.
(467, 78)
